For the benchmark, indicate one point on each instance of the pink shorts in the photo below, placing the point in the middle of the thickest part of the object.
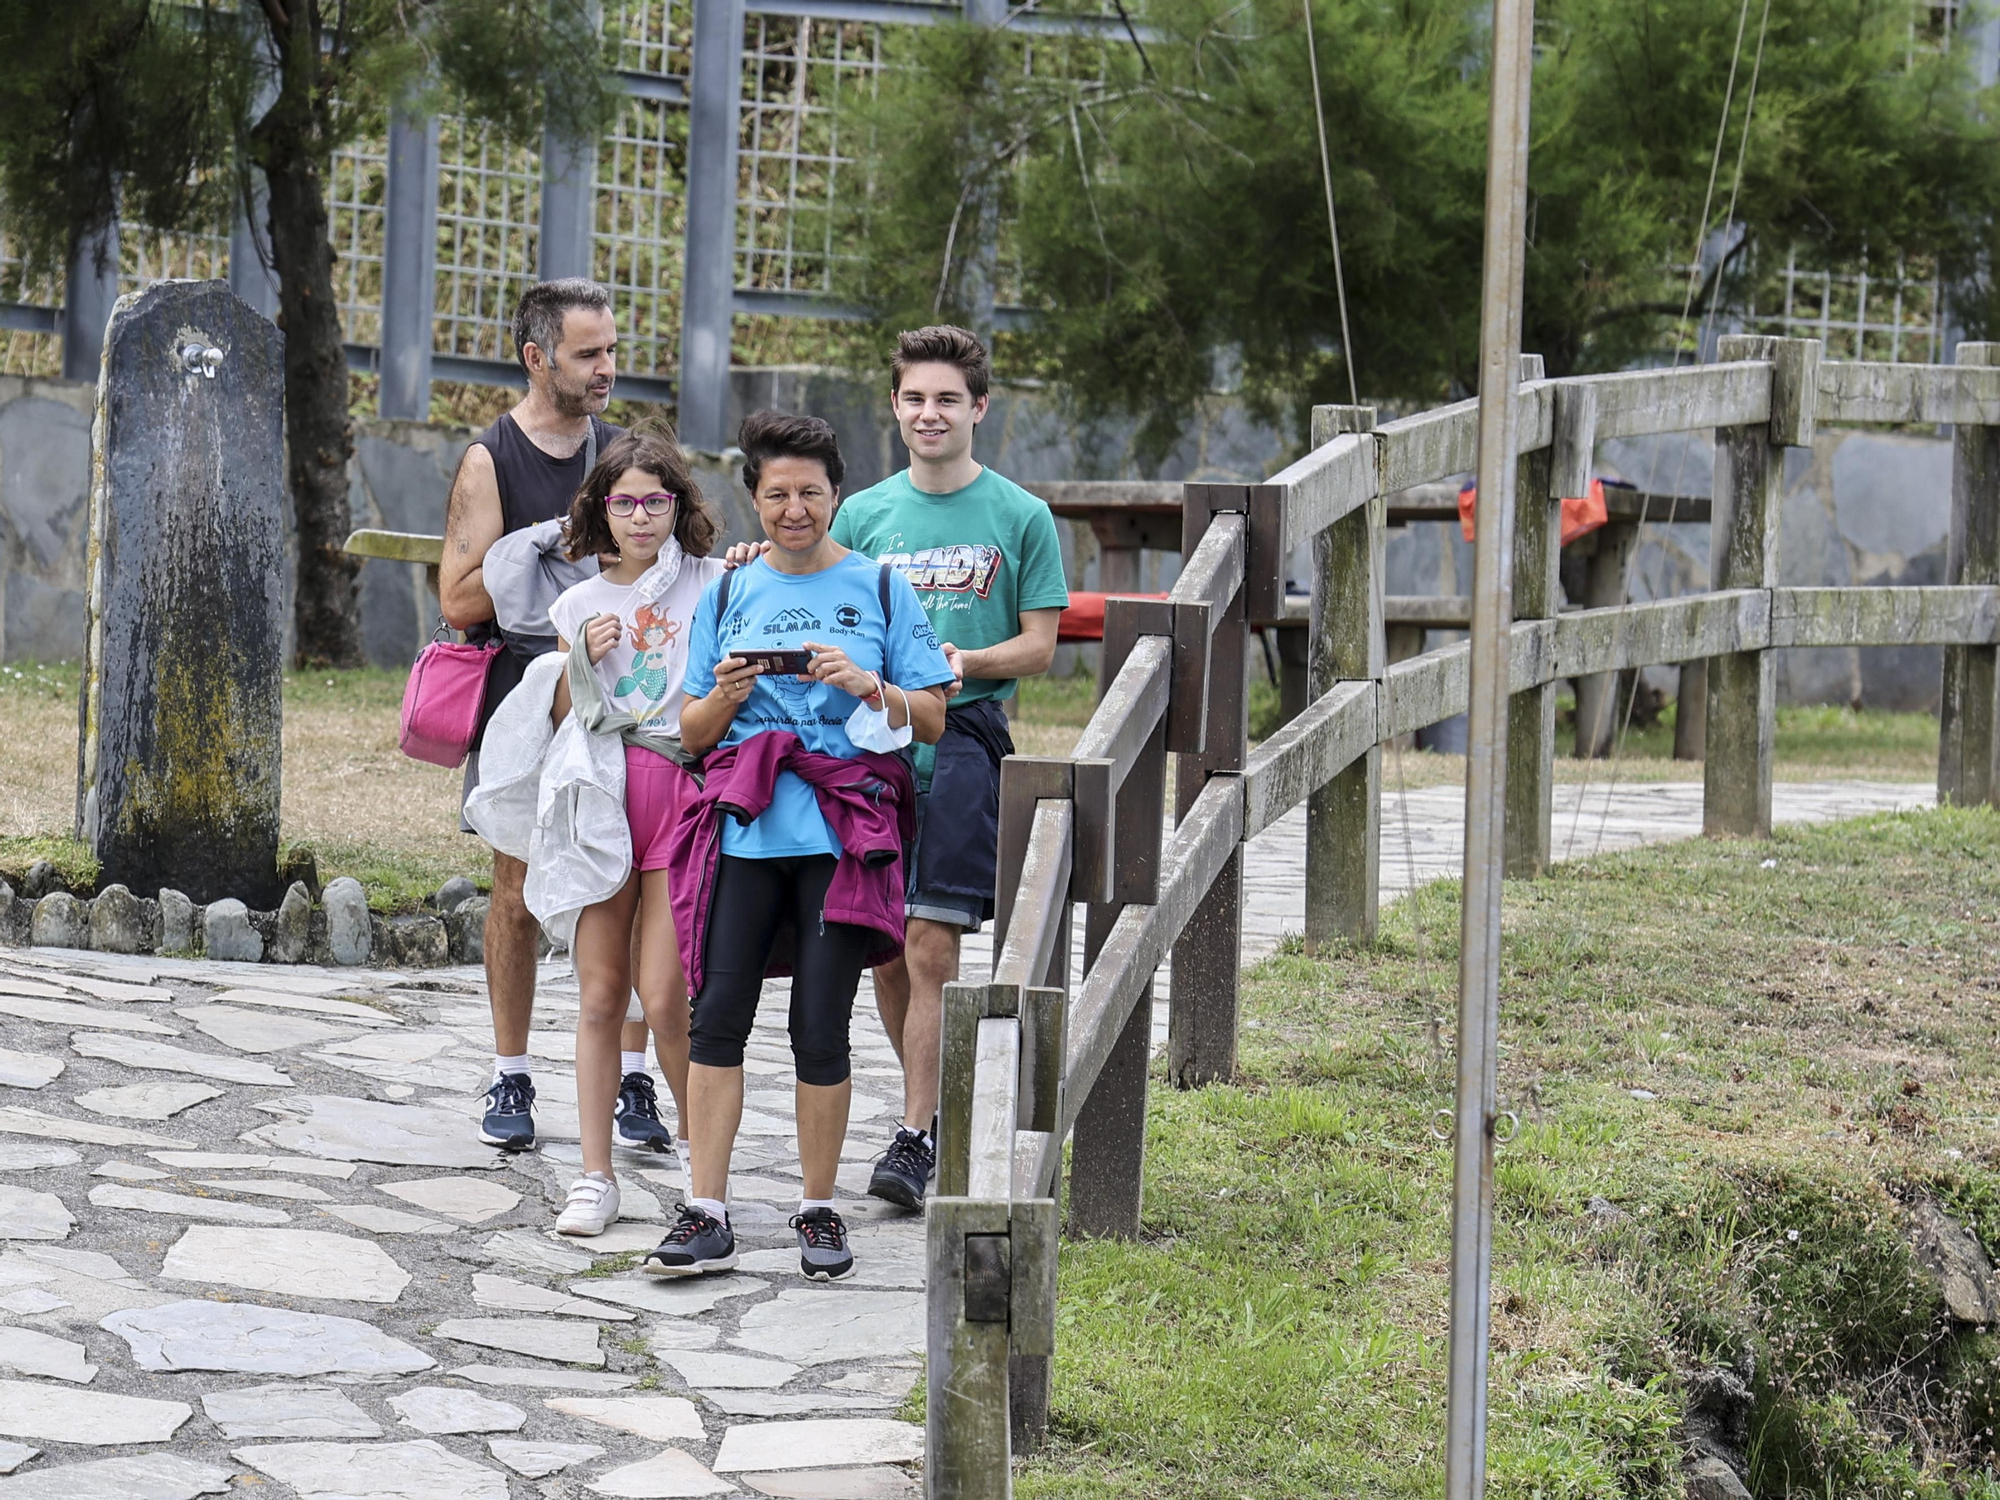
(654, 790)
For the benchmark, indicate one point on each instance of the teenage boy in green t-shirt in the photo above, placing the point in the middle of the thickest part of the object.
(982, 554)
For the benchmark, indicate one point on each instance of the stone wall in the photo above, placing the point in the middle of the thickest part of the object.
(1861, 507)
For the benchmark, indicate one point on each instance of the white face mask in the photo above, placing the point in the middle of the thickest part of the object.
(869, 728)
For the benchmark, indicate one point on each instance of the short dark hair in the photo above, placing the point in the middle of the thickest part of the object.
(766, 435)
(942, 344)
(654, 449)
(538, 319)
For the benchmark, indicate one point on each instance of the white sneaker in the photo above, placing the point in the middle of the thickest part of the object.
(687, 1169)
(592, 1207)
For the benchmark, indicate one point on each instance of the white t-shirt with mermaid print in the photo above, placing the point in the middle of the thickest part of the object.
(641, 674)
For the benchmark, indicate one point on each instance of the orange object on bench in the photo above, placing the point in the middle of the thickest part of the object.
(1581, 514)
(1084, 619)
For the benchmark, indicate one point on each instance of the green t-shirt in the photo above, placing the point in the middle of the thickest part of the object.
(977, 558)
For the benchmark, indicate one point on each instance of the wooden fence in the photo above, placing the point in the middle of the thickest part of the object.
(1027, 1061)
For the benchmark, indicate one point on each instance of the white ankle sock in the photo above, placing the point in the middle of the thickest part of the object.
(504, 1065)
(807, 1205)
(716, 1211)
(631, 1062)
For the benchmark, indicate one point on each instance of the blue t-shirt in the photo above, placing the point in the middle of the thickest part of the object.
(768, 610)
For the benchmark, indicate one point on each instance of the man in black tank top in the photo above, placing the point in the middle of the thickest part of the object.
(522, 470)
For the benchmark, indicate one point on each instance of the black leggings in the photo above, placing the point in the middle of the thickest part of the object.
(753, 898)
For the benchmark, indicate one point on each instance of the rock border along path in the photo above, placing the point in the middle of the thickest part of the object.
(317, 1276)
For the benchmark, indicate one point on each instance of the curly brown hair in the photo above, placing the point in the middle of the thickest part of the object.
(654, 449)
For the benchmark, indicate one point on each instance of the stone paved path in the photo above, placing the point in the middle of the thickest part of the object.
(247, 1238)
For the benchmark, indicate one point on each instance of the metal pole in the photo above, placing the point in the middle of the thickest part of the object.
(1486, 767)
(569, 195)
(409, 266)
(708, 279)
(89, 290)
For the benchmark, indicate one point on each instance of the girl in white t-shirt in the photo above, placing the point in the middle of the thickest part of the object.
(641, 504)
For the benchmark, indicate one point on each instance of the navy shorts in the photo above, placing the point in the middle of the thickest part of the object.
(951, 867)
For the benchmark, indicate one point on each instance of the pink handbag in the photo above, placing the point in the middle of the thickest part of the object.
(442, 699)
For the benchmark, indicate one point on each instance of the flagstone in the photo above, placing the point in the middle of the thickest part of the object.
(417, 1470)
(268, 1187)
(28, 1215)
(813, 1328)
(681, 1333)
(544, 1379)
(567, 1343)
(152, 1201)
(343, 1129)
(894, 1382)
(259, 1031)
(878, 1261)
(21, 1156)
(244, 1337)
(91, 1419)
(667, 1475)
(469, 1199)
(146, 1101)
(92, 1263)
(683, 1296)
(379, 1220)
(538, 1460)
(531, 1250)
(114, 989)
(28, 1070)
(397, 1046)
(736, 1371)
(790, 1403)
(288, 1411)
(71, 1013)
(659, 1419)
(139, 1052)
(128, 1171)
(316, 1005)
(875, 1483)
(293, 1262)
(13, 1455)
(617, 1239)
(508, 1295)
(13, 983)
(227, 1161)
(439, 1410)
(30, 1302)
(141, 1476)
(26, 1351)
(819, 1444)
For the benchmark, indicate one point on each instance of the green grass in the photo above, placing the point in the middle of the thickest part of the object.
(1826, 736)
(1818, 1040)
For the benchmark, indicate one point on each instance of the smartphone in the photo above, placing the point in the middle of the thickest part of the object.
(776, 661)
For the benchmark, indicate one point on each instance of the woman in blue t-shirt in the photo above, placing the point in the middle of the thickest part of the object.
(871, 664)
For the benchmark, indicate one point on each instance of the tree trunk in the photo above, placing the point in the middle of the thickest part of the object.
(319, 437)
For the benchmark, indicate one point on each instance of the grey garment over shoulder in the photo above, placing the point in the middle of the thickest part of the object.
(525, 572)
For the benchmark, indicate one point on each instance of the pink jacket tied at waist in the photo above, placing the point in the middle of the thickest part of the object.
(869, 803)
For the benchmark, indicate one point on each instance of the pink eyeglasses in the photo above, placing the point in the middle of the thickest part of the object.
(657, 504)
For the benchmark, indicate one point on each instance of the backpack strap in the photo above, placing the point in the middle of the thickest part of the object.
(882, 591)
(722, 598)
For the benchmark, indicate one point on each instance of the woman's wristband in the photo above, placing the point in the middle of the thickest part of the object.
(879, 698)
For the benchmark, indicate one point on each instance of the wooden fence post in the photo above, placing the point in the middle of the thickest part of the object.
(1347, 643)
(1201, 1024)
(969, 1286)
(1605, 568)
(1743, 554)
(1545, 476)
(1108, 1148)
(1967, 772)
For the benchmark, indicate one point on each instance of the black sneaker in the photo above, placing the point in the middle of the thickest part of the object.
(695, 1246)
(823, 1252)
(510, 1118)
(635, 1118)
(904, 1170)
